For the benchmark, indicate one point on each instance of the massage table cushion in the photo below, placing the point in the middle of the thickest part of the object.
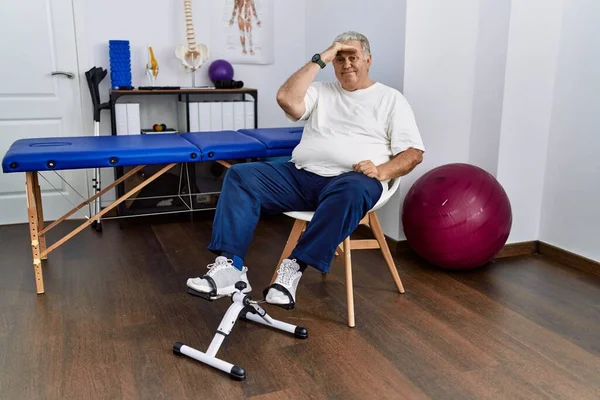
(278, 141)
(57, 153)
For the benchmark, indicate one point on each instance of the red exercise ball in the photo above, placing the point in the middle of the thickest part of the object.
(457, 216)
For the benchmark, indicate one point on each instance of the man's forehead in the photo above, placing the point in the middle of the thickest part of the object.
(346, 54)
(355, 43)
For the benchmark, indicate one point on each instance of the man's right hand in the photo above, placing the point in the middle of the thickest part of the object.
(290, 96)
(329, 55)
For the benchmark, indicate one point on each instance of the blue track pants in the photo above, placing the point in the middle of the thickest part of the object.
(250, 189)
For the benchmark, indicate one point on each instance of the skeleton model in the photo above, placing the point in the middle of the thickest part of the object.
(245, 9)
(191, 54)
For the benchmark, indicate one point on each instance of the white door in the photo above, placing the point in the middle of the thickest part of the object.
(38, 38)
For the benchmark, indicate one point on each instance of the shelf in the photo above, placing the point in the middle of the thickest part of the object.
(179, 91)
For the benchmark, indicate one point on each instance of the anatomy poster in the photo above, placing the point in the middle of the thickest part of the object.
(242, 31)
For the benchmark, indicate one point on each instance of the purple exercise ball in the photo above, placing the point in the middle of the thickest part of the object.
(457, 216)
(220, 70)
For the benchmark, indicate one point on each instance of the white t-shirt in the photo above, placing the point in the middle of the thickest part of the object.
(345, 127)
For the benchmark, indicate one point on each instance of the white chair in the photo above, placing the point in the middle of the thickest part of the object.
(304, 217)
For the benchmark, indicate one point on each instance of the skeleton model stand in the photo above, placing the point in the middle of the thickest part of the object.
(241, 306)
(191, 54)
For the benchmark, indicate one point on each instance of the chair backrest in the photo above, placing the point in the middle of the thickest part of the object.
(393, 184)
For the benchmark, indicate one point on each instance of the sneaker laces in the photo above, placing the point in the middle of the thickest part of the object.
(287, 271)
(218, 265)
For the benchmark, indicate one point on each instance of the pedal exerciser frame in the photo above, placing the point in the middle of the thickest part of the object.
(242, 306)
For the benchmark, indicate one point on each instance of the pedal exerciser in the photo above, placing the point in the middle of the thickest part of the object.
(242, 306)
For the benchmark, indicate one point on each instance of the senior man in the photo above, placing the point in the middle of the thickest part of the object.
(359, 134)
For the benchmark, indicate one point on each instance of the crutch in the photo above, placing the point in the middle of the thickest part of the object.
(94, 76)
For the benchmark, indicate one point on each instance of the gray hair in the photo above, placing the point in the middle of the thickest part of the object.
(352, 35)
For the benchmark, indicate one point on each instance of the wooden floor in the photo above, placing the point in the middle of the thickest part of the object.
(116, 303)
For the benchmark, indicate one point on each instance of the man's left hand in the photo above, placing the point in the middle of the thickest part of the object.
(368, 168)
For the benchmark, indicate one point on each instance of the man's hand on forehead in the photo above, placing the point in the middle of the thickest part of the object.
(338, 48)
(346, 49)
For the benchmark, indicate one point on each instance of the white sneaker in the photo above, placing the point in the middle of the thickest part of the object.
(283, 290)
(220, 279)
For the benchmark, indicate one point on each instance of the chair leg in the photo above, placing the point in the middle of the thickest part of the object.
(349, 289)
(378, 233)
(339, 251)
(297, 230)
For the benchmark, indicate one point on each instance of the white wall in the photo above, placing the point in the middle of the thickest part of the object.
(480, 75)
(439, 79)
(488, 88)
(441, 44)
(326, 19)
(570, 217)
(535, 27)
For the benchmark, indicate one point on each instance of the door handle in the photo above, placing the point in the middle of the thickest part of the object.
(69, 75)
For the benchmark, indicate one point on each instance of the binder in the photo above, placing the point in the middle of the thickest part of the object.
(121, 118)
(249, 114)
(204, 116)
(194, 117)
(227, 108)
(182, 117)
(133, 119)
(216, 116)
(239, 121)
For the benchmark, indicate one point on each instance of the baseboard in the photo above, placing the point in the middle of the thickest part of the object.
(568, 258)
(525, 249)
(518, 249)
(402, 246)
(509, 250)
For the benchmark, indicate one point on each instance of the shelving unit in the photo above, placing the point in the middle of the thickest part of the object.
(171, 194)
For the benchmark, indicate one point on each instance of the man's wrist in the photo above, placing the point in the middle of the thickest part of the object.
(318, 60)
(382, 172)
(325, 58)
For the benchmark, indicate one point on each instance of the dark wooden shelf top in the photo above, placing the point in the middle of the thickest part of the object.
(179, 91)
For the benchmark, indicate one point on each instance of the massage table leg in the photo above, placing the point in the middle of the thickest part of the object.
(38, 231)
(110, 207)
(33, 215)
(224, 163)
(40, 214)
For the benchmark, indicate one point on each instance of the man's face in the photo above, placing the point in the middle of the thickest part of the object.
(352, 69)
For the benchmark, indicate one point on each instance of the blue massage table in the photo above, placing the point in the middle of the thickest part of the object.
(47, 154)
